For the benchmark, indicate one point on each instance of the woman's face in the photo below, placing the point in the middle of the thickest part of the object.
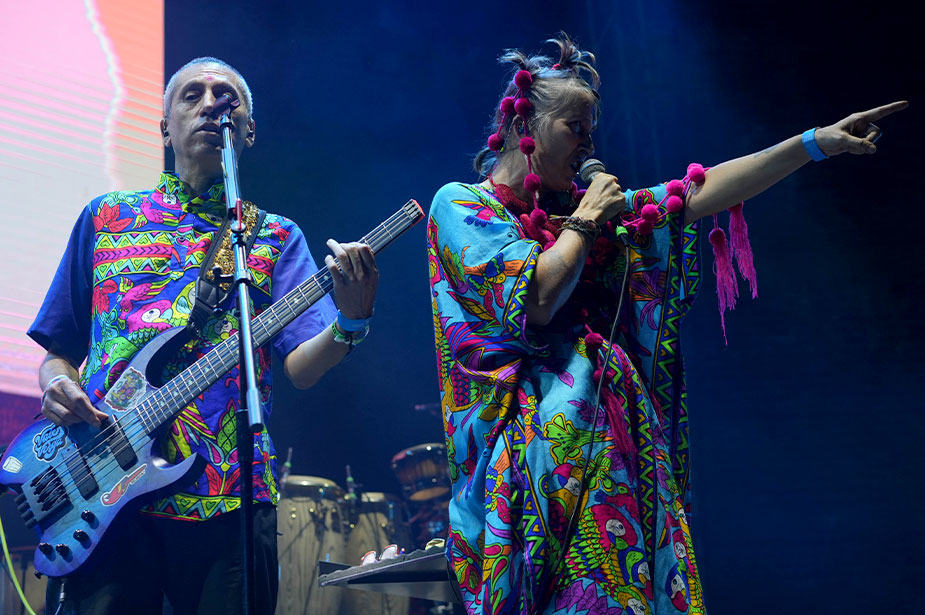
(564, 146)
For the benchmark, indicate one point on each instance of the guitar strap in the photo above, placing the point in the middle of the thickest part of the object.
(209, 292)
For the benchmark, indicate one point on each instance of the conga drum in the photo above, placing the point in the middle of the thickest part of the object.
(311, 525)
(376, 520)
(423, 471)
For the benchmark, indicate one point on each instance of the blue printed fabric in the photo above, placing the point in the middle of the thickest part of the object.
(523, 430)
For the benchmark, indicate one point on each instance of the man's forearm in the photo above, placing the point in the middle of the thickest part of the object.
(313, 358)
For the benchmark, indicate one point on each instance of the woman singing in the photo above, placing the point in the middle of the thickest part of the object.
(569, 453)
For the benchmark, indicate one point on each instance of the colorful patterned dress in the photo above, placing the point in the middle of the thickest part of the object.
(520, 417)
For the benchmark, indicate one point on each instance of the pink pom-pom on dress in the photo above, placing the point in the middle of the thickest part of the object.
(696, 173)
(675, 187)
(532, 182)
(593, 341)
(674, 204)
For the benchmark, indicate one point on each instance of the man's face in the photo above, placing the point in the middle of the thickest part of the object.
(191, 127)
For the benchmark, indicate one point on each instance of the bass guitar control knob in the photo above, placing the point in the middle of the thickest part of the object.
(63, 549)
(82, 537)
(45, 548)
(87, 516)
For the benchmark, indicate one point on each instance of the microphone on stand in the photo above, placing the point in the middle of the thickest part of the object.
(225, 101)
(589, 169)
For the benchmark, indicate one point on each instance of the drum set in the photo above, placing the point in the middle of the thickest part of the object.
(320, 521)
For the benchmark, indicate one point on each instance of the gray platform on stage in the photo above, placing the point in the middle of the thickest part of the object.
(419, 574)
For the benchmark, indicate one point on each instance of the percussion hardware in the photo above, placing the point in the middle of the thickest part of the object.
(287, 467)
(423, 471)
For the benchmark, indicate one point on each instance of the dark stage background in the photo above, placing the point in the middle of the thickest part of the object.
(807, 428)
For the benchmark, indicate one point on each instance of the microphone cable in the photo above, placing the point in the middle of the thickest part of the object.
(597, 404)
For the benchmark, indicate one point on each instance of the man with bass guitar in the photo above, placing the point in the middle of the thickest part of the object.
(130, 272)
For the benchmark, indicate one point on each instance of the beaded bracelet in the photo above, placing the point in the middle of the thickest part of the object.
(582, 225)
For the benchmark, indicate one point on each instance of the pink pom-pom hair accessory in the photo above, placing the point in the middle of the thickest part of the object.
(523, 108)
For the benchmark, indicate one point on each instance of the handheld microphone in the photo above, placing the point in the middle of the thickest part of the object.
(589, 169)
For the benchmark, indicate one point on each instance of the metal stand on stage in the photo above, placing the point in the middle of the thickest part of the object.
(419, 574)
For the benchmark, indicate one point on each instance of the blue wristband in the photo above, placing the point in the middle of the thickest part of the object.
(351, 324)
(809, 142)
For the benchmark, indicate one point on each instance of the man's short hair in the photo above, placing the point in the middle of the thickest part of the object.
(172, 83)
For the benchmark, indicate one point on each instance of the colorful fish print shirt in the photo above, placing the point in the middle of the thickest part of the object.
(523, 431)
(129, 273)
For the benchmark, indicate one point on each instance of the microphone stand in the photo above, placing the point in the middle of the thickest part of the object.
(250, 412)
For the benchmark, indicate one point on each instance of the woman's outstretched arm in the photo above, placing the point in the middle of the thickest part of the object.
(733, 181)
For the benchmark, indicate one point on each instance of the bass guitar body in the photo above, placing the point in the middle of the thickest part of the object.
(73, 481)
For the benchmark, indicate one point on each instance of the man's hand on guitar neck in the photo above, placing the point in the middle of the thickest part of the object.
(63, 401)
(355, 285)
(355, 280)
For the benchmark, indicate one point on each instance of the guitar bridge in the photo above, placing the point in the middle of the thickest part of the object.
(42, 498)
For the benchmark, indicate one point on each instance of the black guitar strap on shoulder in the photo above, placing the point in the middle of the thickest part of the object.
(210, 293)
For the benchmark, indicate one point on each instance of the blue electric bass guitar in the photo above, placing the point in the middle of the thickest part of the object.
(72, 482)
